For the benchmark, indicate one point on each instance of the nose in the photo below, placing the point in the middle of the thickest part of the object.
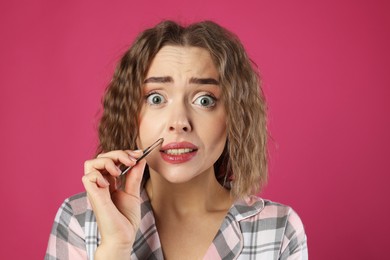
(179, 120)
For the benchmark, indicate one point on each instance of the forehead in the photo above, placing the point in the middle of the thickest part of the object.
(172, 59)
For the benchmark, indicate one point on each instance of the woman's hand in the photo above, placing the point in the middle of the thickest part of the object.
(117, 211)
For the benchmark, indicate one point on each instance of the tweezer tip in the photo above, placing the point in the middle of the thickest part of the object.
(158, 142)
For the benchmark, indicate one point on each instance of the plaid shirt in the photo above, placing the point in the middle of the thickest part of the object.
(252, 229)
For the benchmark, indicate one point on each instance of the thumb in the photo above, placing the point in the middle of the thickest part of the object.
(134, 178)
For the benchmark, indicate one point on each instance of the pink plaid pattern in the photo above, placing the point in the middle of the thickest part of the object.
(253, 229)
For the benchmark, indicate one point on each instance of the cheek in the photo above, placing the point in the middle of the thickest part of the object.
(150, 128)
(221, 128)
(220, 123)
(149, 118)
(214, 130)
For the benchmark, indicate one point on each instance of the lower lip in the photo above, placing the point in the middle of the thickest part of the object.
(179, 158)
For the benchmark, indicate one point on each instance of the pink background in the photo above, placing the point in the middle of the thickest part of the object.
(325, 68)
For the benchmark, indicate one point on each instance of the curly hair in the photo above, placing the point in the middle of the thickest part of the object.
(243, 162)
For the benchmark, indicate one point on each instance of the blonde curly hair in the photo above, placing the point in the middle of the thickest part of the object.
(243, 162)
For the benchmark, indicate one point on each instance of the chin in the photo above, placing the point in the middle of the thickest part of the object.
(177, 178)
(180, 173)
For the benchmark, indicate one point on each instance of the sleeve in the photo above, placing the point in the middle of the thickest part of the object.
(294, 244)
(67, 238)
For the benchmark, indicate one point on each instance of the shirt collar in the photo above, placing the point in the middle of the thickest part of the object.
(228, 242)
(246, 207)
(147, 243)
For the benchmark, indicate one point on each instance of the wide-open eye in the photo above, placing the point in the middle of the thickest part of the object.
(155, 99)
(205, 101)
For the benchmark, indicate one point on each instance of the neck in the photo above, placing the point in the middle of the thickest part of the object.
(202, 194)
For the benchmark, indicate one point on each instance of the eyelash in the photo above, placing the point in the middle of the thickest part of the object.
(151, 94)
(207, 94)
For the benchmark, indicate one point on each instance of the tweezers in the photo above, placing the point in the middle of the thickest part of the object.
(146, 152)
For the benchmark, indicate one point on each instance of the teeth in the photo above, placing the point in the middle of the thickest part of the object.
(178, 151)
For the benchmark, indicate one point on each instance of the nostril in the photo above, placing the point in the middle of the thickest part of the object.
(180, 127)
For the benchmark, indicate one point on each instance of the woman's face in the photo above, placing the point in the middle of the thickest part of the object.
(182, 104)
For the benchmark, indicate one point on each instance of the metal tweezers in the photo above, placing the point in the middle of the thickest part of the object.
(146, 152)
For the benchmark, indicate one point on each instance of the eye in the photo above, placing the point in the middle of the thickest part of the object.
(155, 99)
(206, 101)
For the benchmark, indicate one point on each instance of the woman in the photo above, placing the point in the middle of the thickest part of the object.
(192, 197)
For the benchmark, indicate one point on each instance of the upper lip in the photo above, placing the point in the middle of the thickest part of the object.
(179, 145)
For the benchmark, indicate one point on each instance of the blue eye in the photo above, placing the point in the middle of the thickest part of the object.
(155, 99)
(205, 101)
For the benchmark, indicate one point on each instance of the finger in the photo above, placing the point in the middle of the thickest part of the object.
(125, 157)
(98, 194)
(134, 178)
(96, 187)
(101, 164)
(95, 179)
(134, 154)
(115, 183)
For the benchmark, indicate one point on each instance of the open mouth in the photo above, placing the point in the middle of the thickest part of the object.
(178, 151)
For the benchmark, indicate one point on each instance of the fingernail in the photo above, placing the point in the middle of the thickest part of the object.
(135, 152)
(131, 156)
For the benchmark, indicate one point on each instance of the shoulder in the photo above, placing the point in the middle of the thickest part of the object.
(74, 207)
(67, 237)
(278, 211)
(274, 216)
(274, 227)
(78, 202)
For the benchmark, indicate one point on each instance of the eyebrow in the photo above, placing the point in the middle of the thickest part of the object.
(158, 80)
(204, 81)
(167, 79)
